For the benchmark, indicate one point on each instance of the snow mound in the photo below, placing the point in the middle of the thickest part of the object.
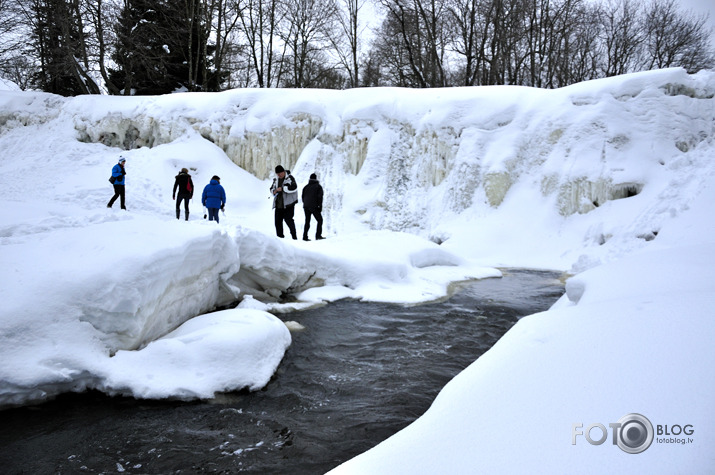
(220, 351)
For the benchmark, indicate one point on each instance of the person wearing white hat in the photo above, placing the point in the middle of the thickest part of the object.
(118, 181)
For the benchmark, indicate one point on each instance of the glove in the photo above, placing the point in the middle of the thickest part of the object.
(173, 197)
(222, 207)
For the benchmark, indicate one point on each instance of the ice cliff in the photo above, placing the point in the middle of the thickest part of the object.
(408, 160)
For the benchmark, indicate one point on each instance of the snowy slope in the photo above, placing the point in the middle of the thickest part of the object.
(631, 336)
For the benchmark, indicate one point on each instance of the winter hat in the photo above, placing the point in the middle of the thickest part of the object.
(215, 177)
(313, 176)
(122, 160)
(280, 169)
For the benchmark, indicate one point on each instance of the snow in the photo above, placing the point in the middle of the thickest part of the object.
(610, 180)
(236, 345)
(631, 336)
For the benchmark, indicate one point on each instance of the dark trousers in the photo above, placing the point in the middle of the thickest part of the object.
(318, 217)
(213, 214)
(186, 199)
(118, 193)
(285, 214)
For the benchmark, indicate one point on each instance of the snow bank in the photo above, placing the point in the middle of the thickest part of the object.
(221, 351)
(7, 85)
(79, 293)
(632, 336)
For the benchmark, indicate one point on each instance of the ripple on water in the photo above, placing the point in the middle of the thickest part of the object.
(355, 374)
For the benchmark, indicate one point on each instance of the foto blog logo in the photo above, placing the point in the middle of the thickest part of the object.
(633, 433)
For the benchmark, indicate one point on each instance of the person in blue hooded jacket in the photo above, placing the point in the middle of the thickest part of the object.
(214, 198)
(118, 173)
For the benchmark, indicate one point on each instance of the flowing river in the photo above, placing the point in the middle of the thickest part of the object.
(357, 373)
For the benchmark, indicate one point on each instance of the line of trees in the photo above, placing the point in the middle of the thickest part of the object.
(73, 47)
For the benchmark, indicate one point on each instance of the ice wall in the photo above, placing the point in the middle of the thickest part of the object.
(412, 160)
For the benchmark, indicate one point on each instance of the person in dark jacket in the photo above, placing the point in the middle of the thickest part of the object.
(118, 173)
(214, 198)
(186, 191)
(285, 195)
(313, 205)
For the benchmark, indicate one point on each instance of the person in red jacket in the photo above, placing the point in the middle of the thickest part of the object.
(185, 186)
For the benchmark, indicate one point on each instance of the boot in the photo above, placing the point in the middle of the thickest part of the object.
(187, 216)
(178, 213)
(305, 238)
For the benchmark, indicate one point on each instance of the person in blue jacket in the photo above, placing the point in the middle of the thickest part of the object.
(118, 173)
(214, 198)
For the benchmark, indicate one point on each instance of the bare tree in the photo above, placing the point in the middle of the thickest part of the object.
(623, 36)
(101, 18)
(260, 19)
(582, 53)
(387, 63)
(16, 63)
(403, 20)
(305, 30)
(346, 38)
(423, 33)
(8, 22)
(468, 25)
(58, 40)
(553, 42)
(674, 38)
(228, 14)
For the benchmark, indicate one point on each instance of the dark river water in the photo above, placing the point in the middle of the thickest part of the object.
(357, 373)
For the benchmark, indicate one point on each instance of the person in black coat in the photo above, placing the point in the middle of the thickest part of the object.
(185, 186)
(313, 206)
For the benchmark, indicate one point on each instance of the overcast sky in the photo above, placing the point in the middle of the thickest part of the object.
(702, 6)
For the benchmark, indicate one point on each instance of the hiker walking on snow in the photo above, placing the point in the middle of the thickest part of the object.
(214, 198)
(118, 173)
(312, 205)
(186, 191)
(285, 195)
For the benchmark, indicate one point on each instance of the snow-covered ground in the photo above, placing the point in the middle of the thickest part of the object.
(610, 180)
